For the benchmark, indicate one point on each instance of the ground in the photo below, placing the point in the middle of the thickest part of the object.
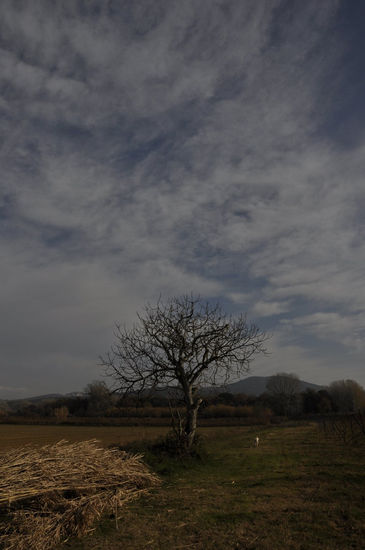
(297, 490)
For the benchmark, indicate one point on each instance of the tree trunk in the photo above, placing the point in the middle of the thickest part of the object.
(191, 421)
(190, 426)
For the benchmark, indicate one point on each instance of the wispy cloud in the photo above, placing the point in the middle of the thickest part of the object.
(168, 147)
(333, 326)
(266, 309)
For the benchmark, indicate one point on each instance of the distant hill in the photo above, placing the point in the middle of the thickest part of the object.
(45, 397)
(253, 385)
(256, 385)
(13, 404)
(35, 399)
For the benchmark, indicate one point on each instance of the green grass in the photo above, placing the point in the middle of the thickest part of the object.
(296, 491)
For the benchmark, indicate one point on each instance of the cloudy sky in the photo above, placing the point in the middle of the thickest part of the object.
(165, 147)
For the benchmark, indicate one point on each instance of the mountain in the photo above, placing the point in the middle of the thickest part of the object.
(256, 385)
(35, 399)
(253, 385)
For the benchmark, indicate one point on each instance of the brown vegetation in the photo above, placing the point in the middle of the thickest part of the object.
(50, 493)
(349, 429)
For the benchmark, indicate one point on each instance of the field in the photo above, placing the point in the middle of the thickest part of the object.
(16, 435)
(295, 491)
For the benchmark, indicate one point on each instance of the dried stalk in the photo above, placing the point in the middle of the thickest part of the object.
(51, 493)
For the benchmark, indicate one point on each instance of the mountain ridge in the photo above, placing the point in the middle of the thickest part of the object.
(256, 385)
(252, 385)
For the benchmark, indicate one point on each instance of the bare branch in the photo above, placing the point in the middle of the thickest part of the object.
(183, 343)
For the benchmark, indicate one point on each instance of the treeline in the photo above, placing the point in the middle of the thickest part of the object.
(281, 400)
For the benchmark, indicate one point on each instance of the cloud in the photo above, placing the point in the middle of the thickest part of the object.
(265, 309)
(165, 148)
(321, 367)
(333, 326)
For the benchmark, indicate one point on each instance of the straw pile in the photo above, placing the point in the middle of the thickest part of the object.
(50, 493)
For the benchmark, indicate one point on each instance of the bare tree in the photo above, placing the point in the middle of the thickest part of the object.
(348, 428)
(284, 388)
(347, 395)
(99, 398)
(183, 343)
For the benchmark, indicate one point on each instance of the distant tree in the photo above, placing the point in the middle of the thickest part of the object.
(99, 398)
(310, 400)
(61, 413)
(225, 398)
(316, 401)
(77, 405)
(325, 404)
(183, 343)
(283, 389)
(347, 395)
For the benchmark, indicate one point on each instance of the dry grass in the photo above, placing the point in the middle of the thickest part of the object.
(50, 493)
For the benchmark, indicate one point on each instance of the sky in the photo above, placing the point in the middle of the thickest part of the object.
(159, 148)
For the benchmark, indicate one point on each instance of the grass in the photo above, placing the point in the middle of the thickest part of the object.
(295, 491)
